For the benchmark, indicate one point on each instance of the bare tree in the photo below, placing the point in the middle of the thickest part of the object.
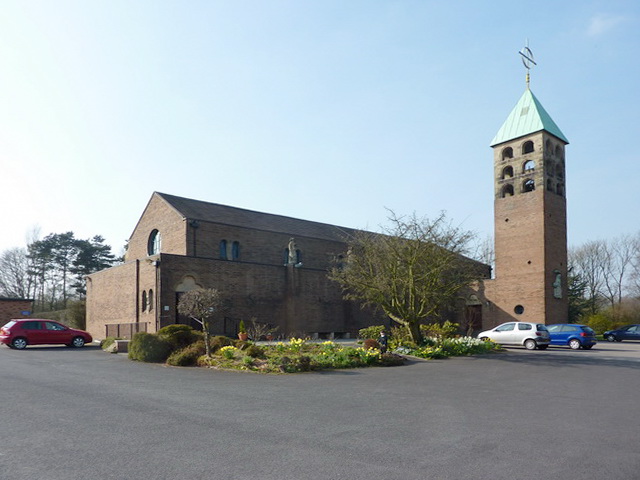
(588, 261)
(14, 278)
(486, 253)
(634, 274)
(200, 305)
(413, 271)
(619, 254)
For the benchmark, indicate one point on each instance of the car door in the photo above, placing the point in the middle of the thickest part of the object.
(33, 331)
(632, 333)
(504, 333)
(558, 337)
(55, 333)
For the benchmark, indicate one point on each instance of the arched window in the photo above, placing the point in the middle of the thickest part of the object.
(549, 185)
(559, 151)
(285, 256)
(560, 170)
(550, 167)
(155, 243)
(507, 190)
(507, 153)
(507, 172)
(548, 147)
(150, 300)
(528, 166)
(235, 250)
(527, 147)
(144, 301)
(528, 185)
(560, 189)
(223, 249)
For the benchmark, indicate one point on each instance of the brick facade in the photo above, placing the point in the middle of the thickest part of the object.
(14, 308)
(530, 232)
(197, 250)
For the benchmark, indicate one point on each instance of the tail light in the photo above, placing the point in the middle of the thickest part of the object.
(584, 334)
(539, 334)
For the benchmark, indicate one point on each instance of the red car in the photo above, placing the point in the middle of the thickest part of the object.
(34, 331)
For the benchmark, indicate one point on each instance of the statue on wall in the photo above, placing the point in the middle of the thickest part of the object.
(293, 256)
(557, 285)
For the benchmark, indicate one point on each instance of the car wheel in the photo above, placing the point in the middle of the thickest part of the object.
(611, 338)
(574, 343)
(530, 344)
(543, 347)
(78, 342)
(19, 343)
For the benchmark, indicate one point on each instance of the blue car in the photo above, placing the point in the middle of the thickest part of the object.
(628, 332)
(575, 336)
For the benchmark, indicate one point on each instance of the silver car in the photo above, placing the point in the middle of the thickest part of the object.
(531, 335)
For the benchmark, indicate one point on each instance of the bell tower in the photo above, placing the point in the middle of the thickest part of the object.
(530, 215)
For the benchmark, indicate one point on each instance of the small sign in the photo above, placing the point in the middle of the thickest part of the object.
(25, 313)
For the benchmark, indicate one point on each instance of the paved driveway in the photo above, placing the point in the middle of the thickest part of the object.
(554, 414)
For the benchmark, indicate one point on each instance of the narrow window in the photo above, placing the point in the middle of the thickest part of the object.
(155, 243)
(235, 250)
(549, 147)
(144, 301)
(507, 153)
(529, 186)
(559, 151)
(507, 172)
(285, 256)
(560, 189)
(550, 167)
(150, 300)
(549, 185)
(223, 249)
(527, 147)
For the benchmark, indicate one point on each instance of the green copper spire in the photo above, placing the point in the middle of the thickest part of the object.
(528, 116)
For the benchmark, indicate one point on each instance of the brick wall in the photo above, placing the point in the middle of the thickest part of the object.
(13, 308)
(158, 215)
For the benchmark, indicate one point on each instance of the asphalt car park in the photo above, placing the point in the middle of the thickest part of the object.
(557, 413)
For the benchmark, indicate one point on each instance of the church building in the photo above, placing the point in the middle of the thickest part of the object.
(273, 268)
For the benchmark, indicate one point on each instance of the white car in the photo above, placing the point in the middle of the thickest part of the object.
(531, 335)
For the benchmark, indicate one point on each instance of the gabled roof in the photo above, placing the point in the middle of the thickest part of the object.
(224, 214)
(528, 116)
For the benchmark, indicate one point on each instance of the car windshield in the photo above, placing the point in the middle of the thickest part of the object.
(588, 330)
(9, 324)
(541, 328)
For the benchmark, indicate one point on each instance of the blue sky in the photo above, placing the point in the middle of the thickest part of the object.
(324, 110)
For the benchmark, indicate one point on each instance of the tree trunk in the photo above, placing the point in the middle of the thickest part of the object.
(414, 330)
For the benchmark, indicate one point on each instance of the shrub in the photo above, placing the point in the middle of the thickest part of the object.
(400, 336)
(369, 344)
(187, 356)
(254, 351)
(371, 332)
(147, 347)
(178, 336)
(220, 341)
(107, 342)
(392, 360)
(444, 330)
